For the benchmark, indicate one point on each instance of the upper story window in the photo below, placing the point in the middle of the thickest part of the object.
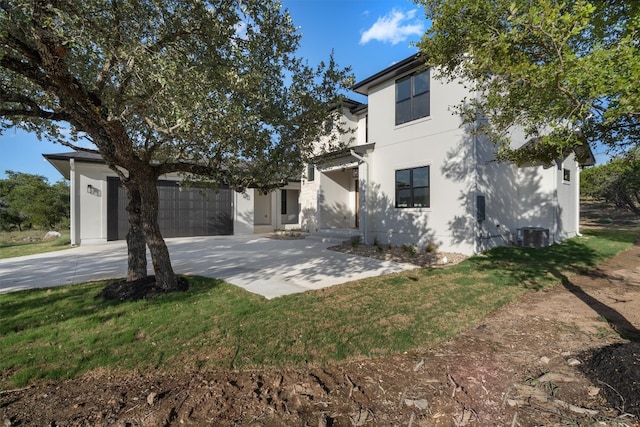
(311, 172)
(412, 97)
(413, 188)
(566, 175)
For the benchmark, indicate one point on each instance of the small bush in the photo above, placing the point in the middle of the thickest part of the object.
(431, 248)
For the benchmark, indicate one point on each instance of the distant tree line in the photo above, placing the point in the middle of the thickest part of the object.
(616, 182)
(28, 200)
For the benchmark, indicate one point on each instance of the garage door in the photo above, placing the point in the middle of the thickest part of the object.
(182, 212)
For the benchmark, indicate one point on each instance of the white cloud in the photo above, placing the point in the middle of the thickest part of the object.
(394, 27)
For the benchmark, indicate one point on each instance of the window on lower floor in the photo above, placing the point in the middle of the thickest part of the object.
(413, 188)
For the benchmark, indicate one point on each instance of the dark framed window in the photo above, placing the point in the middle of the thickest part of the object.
(413, 188)
(566, 175)
(413, 97)
(311, 172)
(283, 202)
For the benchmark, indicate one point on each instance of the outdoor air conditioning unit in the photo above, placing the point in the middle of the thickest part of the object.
(533, 237)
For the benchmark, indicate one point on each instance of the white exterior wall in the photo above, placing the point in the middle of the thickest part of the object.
(337, 199)
(436, 141)
(527, 196)
(569, 199)
(243, 212)
(309, 193)
(92, 207)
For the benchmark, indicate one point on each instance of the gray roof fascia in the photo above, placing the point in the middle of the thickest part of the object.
(401, 67)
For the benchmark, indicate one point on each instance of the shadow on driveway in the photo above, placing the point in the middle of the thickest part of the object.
(268, 267)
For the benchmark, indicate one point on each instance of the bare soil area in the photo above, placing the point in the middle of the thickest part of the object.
(569, 355)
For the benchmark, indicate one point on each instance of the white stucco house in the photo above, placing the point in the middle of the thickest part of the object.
(415, 175)
(411, 174)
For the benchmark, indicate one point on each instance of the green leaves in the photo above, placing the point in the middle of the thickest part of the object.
(548, 67)
(27, 199)
(178, 83)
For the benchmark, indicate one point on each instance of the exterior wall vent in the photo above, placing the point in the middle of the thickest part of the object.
(533, 237)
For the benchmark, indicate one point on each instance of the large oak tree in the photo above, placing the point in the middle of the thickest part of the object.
(565, 71)
(211, 89)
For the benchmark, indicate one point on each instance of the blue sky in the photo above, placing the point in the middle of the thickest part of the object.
(367, 35)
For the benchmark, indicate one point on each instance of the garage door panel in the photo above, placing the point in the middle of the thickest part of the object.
(181, 212)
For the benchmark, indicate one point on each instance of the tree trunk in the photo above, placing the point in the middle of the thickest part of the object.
(165, 277)
(136, 242)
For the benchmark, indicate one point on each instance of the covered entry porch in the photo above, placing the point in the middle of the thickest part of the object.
(341, 190)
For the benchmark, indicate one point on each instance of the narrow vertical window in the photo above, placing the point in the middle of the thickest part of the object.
(283, 202)
(311, 172)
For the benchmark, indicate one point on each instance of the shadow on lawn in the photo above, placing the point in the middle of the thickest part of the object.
(534, 268)
(23, 310)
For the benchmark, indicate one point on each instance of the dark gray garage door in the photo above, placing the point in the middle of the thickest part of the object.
(182, 213)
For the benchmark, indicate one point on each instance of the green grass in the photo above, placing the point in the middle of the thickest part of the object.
(12, 244)
(63, 332)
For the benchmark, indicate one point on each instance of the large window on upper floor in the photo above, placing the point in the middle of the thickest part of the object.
(413, 188)
(412, 97)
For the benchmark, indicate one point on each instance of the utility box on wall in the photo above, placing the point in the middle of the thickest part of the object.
(480, 208)
(533, 237)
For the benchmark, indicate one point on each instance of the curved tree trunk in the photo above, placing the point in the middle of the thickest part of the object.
(165, 277)
(136, 242)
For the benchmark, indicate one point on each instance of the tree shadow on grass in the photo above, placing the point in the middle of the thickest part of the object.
(615, 369)
(136, 290)
(26, 309)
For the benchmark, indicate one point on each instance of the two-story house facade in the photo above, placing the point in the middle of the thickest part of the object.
(411, 173)
(416, 175)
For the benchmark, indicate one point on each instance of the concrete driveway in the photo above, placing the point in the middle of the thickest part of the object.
(261, 265)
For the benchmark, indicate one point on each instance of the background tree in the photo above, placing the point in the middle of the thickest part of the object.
(203, 88)
(30, 200)
(565, 71)
(616, 182)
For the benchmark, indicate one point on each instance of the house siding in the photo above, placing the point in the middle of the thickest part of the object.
(462, 168)
(437, 141)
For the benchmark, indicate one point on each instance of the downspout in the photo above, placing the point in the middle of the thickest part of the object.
(72, 197)
(476, 231)
(363, 218)
(555, 201)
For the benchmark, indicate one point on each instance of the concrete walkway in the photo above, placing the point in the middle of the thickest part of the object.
(261, 265)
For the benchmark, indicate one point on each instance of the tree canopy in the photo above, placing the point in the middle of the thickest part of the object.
(566, 72)
(616, 182)
(27, 199)
(212, 89)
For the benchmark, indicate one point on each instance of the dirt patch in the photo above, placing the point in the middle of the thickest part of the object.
(554, 357)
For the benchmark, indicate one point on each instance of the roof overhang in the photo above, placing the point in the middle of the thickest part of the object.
(583, 153)
(62, 161)
(413, 62)
(343, 157)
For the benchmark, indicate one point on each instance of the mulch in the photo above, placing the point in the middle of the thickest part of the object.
(616, 370)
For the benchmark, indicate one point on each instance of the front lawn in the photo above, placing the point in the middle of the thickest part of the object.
(63, 332)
